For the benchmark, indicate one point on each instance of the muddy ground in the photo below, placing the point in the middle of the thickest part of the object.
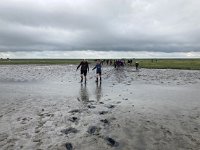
(45, 107)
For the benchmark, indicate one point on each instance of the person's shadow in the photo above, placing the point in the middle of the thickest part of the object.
(98, 91)
(84, 95)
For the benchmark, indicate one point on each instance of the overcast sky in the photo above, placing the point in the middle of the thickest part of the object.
(41, 28)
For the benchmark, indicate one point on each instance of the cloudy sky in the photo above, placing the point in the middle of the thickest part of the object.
(99, 28)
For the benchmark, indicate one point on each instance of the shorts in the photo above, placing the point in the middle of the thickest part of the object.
(84, 72)
(99, 72)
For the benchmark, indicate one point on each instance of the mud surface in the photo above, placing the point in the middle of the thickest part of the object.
(45, 107)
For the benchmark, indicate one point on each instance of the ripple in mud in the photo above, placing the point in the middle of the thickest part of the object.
(69, 146)
(111, 142)
(75, 111)
(69, 130)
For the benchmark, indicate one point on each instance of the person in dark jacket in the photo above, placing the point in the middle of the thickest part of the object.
(137, 66)
(98, 70)
(84, 69)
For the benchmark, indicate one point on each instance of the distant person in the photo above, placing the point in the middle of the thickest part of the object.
(84, 69)
(111, 62)
(107, 61)
(98, 70)
(101, 62)
(130, 62)
(136, 65)
(115, 64)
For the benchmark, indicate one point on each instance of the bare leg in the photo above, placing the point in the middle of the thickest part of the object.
(85, 79)
(81, 78)
(97, 78)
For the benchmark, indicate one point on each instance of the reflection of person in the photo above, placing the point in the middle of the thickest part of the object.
(98, 70)
(98, 92)
(84, 69)
(84, 93)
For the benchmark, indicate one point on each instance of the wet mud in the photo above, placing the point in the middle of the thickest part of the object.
(46, 107)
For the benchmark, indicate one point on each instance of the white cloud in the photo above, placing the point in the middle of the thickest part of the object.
(133, 25)
(90, 54)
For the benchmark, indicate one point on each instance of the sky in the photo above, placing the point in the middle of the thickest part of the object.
(99, 28)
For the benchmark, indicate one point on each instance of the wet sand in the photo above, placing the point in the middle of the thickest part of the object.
(45, 107)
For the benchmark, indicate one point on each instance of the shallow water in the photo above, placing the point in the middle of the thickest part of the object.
(146, 109)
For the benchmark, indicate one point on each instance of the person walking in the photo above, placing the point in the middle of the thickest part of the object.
(137, 65)
(98, 70)
(84, 69)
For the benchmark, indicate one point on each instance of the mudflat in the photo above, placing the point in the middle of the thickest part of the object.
(45, 107)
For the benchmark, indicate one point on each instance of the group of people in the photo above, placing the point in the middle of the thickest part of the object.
(85, 68)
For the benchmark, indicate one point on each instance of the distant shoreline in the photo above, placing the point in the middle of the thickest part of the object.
(186, 64)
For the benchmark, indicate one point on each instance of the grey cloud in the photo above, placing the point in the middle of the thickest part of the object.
(132, 25)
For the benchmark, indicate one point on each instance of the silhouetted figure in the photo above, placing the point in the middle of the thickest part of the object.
(107, 61)
(130, 62)
(84, 69)
(98, 70)
(136, 65)
(111, 62)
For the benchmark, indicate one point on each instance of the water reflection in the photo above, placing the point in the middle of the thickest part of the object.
(84, 95)
(98, 91)
(120, 75)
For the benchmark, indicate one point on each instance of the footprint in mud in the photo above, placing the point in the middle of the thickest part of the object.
(73, 119)
(69, 146)
(91, 106)
(37, 140)
(10, 144)
(24, 120)
(93, 130)
(103, 112)
(75, 111)
(42, 115)
(3, 136)
(110, 106)
(111, 142)
(39, 126)
(41, 123)
(91, 101)
(78, 99)
(166, 131)
(69, 130)
(105, 121)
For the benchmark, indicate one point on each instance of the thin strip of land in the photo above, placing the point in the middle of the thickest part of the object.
(188, 64)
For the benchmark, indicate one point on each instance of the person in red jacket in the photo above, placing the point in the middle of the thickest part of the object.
(84, 69)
